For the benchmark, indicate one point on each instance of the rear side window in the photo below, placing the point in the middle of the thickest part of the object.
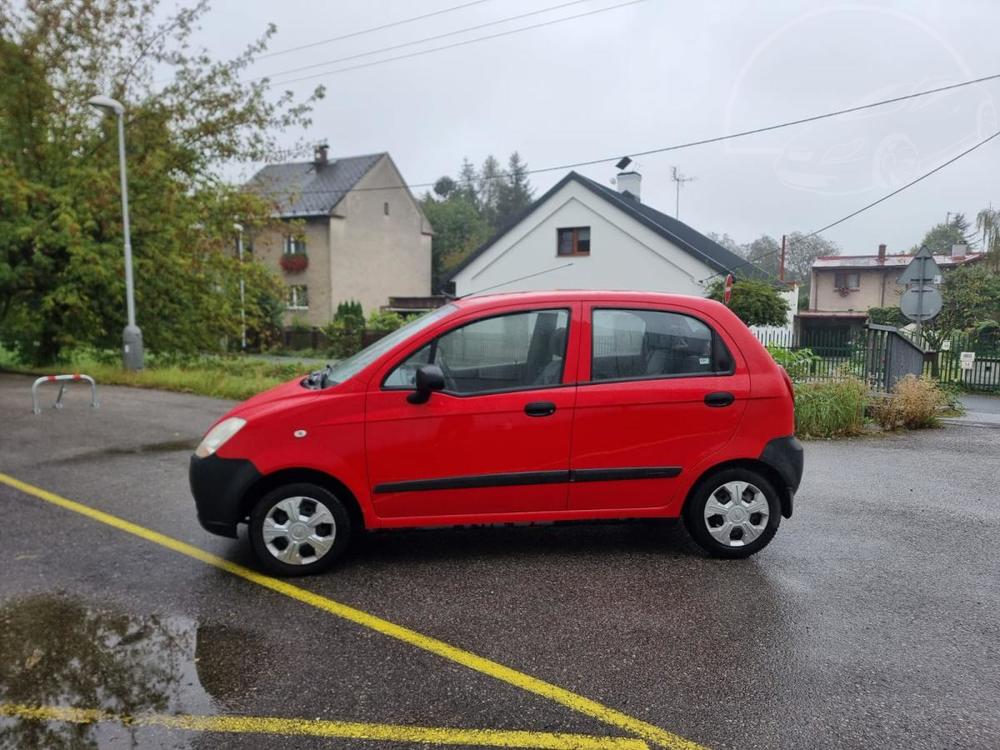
(632, 344)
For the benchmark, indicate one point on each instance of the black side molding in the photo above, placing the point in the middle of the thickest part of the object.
(614, 475)
(521, 478)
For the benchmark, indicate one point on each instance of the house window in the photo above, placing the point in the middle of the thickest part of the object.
(385, 207)
(298, 298)
(847, 280)
(573, 241)
(295, 245)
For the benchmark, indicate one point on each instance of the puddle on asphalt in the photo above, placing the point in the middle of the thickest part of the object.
(59, 651)
(167, 446)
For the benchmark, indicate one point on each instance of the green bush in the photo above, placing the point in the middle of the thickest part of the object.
(345, 337)
(350, 312)
(824, 410)
(384, 322)
(887, 316)
(797, 362)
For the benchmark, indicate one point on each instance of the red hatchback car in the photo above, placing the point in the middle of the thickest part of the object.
(519, 407)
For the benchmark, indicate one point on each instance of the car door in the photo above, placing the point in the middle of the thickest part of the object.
(496, 439)
(660, 389)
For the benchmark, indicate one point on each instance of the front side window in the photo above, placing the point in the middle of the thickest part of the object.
(573, 241)
(298, 298)
(505, 352)
(630, 344)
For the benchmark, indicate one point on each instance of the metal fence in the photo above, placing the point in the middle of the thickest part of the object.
(877, 355)
(984, 375)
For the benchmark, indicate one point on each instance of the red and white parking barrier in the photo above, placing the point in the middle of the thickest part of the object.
(62, 379)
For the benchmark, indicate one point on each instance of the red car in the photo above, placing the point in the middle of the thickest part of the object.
(519, 407)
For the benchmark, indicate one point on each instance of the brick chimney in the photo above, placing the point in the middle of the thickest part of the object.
(320, 155)
(881, 254)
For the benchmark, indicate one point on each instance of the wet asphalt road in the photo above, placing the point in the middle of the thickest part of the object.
(872, 620)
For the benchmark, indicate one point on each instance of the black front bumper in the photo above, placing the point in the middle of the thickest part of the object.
(219, 486)
(786, 457)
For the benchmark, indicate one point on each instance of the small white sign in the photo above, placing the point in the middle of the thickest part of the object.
(946, 345)
(967, 359)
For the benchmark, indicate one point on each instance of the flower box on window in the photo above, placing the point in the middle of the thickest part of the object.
(294, 263)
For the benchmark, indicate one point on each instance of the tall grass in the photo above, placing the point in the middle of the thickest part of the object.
(835, 409)
(233, 377)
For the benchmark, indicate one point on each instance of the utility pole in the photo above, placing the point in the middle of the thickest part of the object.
(781, 266)
(243, 299)
(680, 179)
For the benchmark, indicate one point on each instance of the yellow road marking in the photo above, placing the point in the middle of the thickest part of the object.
(526, 682)
(321, 728)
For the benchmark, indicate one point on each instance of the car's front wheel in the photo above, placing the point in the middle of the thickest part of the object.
(733, 513)
(299, 529)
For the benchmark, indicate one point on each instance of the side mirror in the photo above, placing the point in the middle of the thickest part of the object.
(429, 378)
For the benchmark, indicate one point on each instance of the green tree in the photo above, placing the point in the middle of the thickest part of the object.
(490, 182)
(61, 277)
(765, 253)
(940, 238)
(756, 303)
(515, 192)
(988, 224)
(458, 230)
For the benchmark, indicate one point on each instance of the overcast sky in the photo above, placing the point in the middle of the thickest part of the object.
(660, 72)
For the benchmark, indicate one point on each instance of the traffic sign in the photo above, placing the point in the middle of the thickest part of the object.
(728, 294)
(923, 269)
(921, 301)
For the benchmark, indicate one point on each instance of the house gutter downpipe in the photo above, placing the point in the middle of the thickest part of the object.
(132, 353)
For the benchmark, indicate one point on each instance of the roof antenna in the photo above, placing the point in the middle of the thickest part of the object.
(680, 180)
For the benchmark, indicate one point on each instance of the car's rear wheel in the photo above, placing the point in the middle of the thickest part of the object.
(733, 513)
(299, 529)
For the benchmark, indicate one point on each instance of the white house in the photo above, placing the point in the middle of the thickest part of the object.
(583, 235)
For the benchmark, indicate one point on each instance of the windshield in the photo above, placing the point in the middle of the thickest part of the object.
(348, 368)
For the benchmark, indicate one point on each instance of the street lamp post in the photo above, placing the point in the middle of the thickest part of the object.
(243, 305)
(132, 355)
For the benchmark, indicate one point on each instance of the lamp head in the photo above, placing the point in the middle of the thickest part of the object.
(107, 104)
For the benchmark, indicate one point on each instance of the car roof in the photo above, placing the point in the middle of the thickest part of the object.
(473, 302)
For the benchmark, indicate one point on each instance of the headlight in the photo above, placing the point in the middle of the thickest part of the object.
(218, 436)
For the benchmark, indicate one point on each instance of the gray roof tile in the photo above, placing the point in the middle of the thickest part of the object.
(308, 189)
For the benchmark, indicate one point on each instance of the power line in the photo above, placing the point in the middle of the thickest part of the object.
(459, 44)
(705, 141)
(420, 41)
(361, 32)
(884, 198)
(911, 183)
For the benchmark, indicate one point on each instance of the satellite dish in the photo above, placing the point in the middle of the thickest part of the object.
(623, 162)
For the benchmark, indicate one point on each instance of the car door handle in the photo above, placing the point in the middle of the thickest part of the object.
(539, 408)
(720, 398)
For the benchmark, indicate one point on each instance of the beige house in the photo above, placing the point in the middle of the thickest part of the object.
(354, 232)
(844, 287)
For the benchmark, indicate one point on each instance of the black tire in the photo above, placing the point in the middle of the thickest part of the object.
(306, 496)
(712, 485)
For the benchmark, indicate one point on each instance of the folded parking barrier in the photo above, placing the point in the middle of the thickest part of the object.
(62, 380)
